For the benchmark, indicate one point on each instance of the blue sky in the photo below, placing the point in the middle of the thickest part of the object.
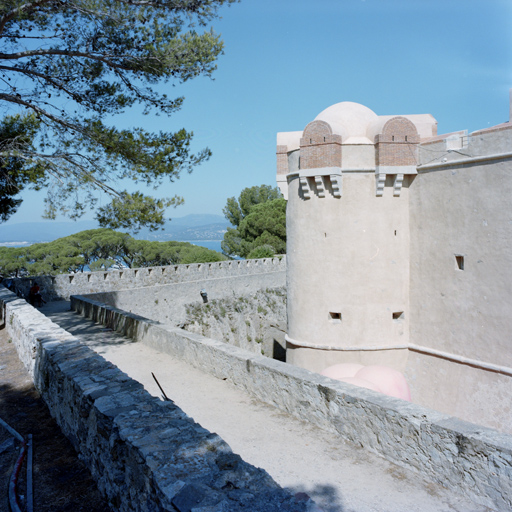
(287, 60)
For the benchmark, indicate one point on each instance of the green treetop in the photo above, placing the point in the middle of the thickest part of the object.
(259, 217)
(66, 67)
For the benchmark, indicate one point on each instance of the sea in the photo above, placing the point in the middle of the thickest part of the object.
(214, 245)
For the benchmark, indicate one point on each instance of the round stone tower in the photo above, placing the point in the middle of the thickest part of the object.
(346, 178)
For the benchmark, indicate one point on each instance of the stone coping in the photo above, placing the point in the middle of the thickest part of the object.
(63, 286)
(145, 454)
(473, 460)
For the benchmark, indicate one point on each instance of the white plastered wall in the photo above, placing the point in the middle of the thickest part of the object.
(459, 215)
(348, 256)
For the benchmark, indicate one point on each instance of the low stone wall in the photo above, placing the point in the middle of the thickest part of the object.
(145, 454)
(472, 460)
(65, 285)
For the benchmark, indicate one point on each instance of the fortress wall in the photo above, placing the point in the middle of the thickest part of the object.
(470, 459)
(64, 285)
(166, 303)
(460, 289)
(137, 447)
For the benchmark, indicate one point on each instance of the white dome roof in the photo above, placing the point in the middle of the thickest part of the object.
(348, 119)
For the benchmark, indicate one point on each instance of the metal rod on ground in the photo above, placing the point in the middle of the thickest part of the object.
(163, 392)
(11, 431)
(13, 481)
(30, 496)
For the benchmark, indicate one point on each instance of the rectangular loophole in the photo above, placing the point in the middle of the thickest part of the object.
(459, 260)
(398, 315)
(335, 317)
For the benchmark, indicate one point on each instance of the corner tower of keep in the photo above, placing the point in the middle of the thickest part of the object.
(348, 245)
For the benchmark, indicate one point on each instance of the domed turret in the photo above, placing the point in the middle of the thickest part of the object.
(347, 237)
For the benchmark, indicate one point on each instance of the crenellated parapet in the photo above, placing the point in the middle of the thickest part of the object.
(350, 138)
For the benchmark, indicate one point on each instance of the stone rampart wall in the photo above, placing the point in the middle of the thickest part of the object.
(145, 454)
(472, 460)
(167, 303)
(65, 285)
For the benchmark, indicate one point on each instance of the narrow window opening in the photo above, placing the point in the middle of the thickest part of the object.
(89, 278)
(311, 141)
(120, 275)
(324, 139)
(398, 315)
(149, 271)
(392, 137)
(70, 279)
(395, 232)
(406, 138)
(335, 317)
(460, 261)
(105, 275)
(135, 272)
(163, 270)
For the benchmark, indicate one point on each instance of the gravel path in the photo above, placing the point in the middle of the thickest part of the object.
(339, 477)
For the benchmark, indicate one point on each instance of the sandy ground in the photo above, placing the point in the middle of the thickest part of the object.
(339, 477)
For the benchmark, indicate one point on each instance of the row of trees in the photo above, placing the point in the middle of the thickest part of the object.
(98, 249)
(259, 220)
(259, 217)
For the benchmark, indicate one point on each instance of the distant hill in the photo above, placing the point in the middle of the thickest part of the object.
(189, 227)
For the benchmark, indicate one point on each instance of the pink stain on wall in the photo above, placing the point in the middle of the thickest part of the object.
(342, 371)
(383, 379)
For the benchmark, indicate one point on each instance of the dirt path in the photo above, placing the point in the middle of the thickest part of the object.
(62, 483)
